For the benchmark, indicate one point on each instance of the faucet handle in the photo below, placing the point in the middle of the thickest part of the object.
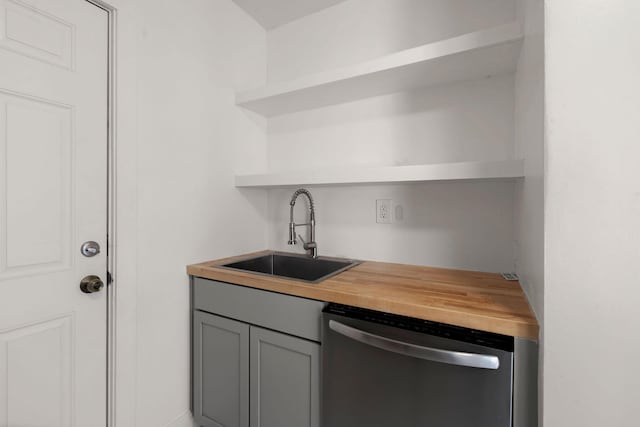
(307, 246)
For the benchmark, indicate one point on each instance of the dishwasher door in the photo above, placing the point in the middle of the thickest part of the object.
(381, 370)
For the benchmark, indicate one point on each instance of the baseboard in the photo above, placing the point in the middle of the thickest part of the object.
(183, 420)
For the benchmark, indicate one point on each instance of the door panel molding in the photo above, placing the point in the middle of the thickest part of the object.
(42, 244)
(56, 46)
(24, 362)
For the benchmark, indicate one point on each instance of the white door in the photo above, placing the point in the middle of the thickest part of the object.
(53, 197)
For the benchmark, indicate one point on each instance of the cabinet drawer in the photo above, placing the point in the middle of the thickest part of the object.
(292, 315)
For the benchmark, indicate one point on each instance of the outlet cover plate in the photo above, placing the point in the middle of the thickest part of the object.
(384, 211)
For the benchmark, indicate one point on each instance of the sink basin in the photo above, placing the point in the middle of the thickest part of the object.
(292, 266)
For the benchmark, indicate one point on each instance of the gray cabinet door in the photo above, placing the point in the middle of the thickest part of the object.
(220, 371)
(285, 380)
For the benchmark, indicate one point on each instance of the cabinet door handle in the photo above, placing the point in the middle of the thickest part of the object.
(472, 360)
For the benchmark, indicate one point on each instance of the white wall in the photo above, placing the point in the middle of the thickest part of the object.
(464, 121)
(192, 55)
(358, 30)
(529, 139)
(445, 224)
(458, 225)
(592, 218)
(529, 144)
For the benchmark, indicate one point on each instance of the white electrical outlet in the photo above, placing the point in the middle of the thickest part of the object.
(384, 211)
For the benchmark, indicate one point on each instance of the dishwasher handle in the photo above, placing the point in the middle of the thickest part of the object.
(472, 360)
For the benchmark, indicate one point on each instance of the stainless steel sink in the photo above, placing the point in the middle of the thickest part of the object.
(292, 266)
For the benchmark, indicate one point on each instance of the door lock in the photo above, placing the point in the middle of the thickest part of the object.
(91, 284)
(90, 249)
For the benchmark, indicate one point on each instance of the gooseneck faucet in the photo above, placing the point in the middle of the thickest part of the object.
(311, 245)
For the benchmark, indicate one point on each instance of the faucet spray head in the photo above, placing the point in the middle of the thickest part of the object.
(292, 234)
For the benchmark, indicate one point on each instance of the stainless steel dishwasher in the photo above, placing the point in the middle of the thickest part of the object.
(383, 370)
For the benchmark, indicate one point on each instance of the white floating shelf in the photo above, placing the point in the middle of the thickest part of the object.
(470, 56)
(507, 169)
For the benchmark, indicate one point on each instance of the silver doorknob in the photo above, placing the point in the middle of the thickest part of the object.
(91, 284)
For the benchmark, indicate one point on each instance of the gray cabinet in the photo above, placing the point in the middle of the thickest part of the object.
(285, 380)
(245, 375)
(220, 371)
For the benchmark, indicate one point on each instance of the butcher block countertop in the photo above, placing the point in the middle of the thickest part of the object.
(483, 301)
